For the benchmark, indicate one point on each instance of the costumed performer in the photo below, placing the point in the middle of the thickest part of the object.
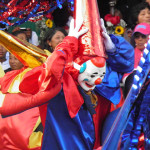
(24, 130)
(71, 110)
(67, 89)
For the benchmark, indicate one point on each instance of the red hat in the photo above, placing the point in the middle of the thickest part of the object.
(91, 43)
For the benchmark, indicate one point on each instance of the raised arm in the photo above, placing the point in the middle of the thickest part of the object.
(120, 52)
(49, 79)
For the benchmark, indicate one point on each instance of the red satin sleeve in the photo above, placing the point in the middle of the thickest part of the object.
(49, 80)
(16, 103)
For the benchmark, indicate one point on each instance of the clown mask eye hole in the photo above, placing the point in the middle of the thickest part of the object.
(92, 76)
(102, 74)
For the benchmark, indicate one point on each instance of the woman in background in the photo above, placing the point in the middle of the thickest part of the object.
(138, 40)
(140, 13)
(52, 38)
(148, 1)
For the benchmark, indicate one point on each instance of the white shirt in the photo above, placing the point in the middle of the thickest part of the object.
(34, 39)
(5, 65)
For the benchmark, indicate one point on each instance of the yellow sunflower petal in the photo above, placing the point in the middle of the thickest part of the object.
(119, 30)
(49, 23)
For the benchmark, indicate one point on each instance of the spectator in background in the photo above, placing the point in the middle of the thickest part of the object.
(140, 13)
(125, 6)
(4, 61)
(32, 37)
(148, 1)
(52, 38)
(128, 34)
(15, 64)
(61, 16)
(20, 34)
(138, 40)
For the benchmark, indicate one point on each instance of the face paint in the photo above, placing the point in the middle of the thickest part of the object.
(91, 76)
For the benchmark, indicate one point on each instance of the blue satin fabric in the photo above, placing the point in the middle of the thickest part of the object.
(65, 133)
(110, 87)
(119, 62)
(138, 123)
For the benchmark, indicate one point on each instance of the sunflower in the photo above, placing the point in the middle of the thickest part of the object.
(119, 30)
(49, 23)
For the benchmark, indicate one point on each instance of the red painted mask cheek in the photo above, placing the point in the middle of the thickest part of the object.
(98, 81)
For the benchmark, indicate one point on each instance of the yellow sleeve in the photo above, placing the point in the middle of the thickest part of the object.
(2, 73)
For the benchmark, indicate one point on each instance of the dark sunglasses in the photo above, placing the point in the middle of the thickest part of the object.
(137, 36)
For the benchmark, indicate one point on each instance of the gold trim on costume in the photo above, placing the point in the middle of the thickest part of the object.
(35, 139)
(2, 73)
(48, 53)
(14, 86)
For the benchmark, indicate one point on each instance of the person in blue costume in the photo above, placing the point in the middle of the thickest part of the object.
(75, 94)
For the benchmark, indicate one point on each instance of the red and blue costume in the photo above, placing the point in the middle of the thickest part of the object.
(68, 124)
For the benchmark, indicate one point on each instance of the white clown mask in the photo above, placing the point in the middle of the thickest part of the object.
(91, 75)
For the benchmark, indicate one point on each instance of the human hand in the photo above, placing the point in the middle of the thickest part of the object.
(109, 45)
(74, 31)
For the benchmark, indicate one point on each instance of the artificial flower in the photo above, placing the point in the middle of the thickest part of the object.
(109, 24)
(119, 30)
(115, 25)
(49, 23)
(49, 16)
(122, 23)
(44, 26)
(113, 19)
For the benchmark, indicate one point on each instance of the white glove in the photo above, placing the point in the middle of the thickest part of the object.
(109, 45)
(75, 31)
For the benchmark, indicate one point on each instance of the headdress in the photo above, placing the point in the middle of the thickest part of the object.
(91, 43)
